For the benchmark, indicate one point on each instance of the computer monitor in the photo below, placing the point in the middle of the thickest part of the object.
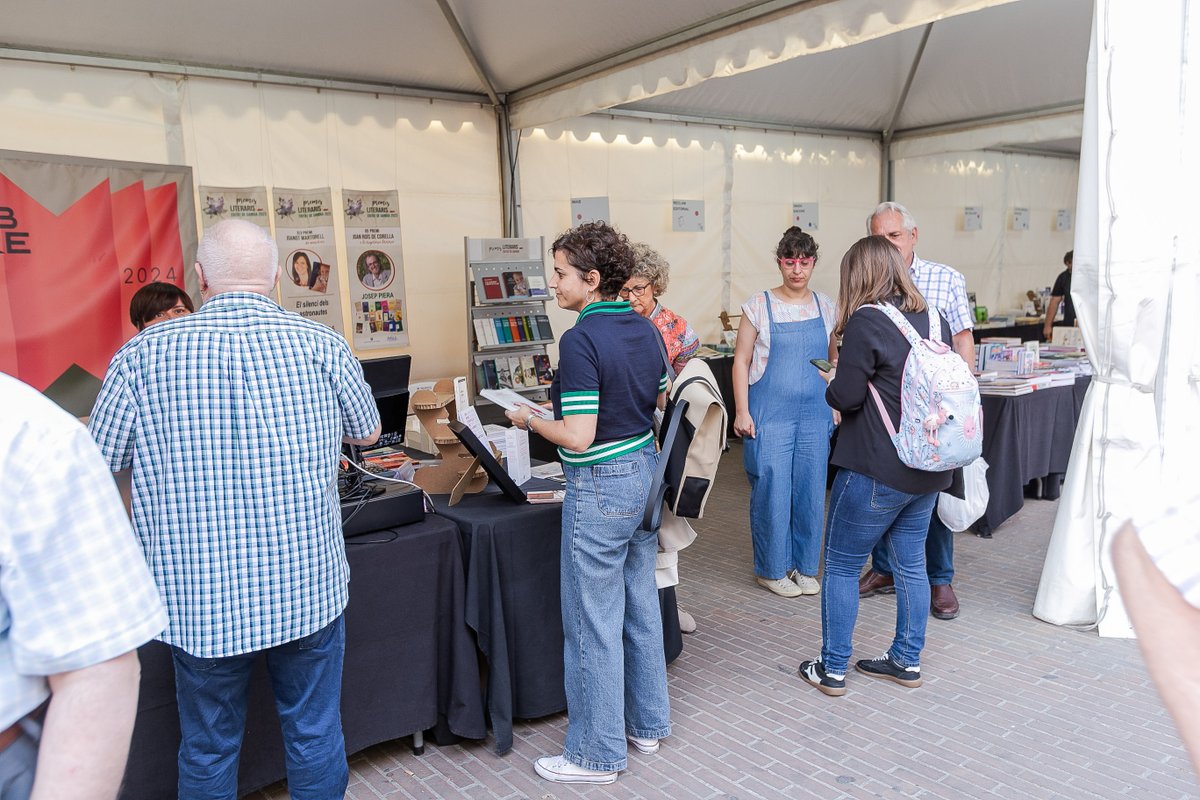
(388, 379)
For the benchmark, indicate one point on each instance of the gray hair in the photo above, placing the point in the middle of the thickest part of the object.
(906, 218)
(235, 252)
(648, 263)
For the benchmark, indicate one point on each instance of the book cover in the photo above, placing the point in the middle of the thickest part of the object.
(492, 288)
(527, 329)
(514, 330)
(537, 285)
(529, 371)
(515, 284)
(543, 326)
(503, 374)
(503, 335)
(541, 367)
(517, 372)
(491, 378)
(480, 376)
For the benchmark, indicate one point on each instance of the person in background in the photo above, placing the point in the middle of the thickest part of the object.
(158, 302)
(76, 601)
(1060, 295)
(609, 382)
(876, 500)
(651, 274)
(783, 419)
(235, 510)
(945, 289)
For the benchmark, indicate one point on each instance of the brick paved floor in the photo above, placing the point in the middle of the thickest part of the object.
(1011, 707)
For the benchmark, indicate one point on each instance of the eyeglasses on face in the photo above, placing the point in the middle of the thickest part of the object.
(636, 291)
(804, 263)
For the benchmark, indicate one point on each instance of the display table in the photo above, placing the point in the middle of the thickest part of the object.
(410, 664)
(1028, 332)
(1026, 437)
(511, 553)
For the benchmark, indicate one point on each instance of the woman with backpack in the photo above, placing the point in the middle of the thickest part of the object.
(875, 495)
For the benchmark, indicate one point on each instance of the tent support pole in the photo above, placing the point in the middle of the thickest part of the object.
(886, 187)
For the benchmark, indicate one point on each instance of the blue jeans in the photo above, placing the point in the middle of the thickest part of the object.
(306, 675)
(863, 512)
(615, 671)
(939, 553)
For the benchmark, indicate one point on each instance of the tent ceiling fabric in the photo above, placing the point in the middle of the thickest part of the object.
(726, 60)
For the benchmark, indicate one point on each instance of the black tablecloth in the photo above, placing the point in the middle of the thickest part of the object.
(1026, 437)
(410, 664)
(1029, 332)
(512, 557)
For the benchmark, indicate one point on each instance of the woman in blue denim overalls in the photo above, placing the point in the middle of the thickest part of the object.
(783, 419)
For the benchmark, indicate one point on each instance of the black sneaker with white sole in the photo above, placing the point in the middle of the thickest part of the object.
(813, 673)
(885, 667)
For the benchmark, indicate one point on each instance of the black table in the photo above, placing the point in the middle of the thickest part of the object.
(410, 664)
(511, 553)
(1026, 438)
(1028, 332)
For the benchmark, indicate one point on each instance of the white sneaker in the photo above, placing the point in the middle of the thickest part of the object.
(807, 584)
(780, 586)
(647, 747)
(687, 623)
(559, 770)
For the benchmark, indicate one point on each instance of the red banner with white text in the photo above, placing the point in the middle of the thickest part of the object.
(78, 238)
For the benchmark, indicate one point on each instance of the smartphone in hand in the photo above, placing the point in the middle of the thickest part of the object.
(821, 364)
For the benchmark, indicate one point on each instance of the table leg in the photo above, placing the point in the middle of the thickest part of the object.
(418, 743)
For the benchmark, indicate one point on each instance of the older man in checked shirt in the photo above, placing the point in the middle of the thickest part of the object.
(231, 420)
(945, 289)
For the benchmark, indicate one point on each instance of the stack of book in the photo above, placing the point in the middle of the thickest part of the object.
(528, 371)
(1005, 355)
(516, 329)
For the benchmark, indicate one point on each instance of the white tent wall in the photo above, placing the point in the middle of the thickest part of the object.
(748, 180)
(1000, 263)
(1137, 288)
(439, 155)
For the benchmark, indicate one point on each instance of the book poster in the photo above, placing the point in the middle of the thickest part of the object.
(249, 203)
(308, 284)
(378, 309)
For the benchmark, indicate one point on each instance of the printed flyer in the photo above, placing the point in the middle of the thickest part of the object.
(304, 233)
(378, 309)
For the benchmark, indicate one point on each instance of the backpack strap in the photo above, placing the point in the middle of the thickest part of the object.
(906, 328)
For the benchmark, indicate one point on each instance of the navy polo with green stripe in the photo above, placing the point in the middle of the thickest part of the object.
(610, 366)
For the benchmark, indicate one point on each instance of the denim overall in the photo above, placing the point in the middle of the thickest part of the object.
(787, 459)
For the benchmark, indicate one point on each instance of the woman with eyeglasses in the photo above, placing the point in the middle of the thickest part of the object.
(783, 419)
(651, 272)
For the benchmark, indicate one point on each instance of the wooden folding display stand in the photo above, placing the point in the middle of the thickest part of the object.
(460, 472)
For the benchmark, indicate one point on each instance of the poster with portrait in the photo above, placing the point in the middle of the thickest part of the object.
(308, 284)
(79, 238)
(378, 310)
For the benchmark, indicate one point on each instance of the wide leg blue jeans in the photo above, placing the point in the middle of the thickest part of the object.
(615, 670)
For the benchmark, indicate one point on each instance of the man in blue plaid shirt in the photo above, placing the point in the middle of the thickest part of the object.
(945, 289)
(231, 420)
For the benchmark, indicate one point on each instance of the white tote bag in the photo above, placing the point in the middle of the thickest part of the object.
(958, 514)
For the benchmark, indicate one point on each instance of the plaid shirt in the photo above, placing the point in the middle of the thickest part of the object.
(74, 588)
(232, 419)
(945, 289)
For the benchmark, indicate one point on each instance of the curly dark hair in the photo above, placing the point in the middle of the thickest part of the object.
(796, 244)
(154, 298)
(601, 247)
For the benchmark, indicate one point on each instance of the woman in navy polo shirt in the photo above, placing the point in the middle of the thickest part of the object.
(610, 379)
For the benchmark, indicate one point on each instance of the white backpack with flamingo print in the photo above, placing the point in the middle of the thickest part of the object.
(941, 417)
